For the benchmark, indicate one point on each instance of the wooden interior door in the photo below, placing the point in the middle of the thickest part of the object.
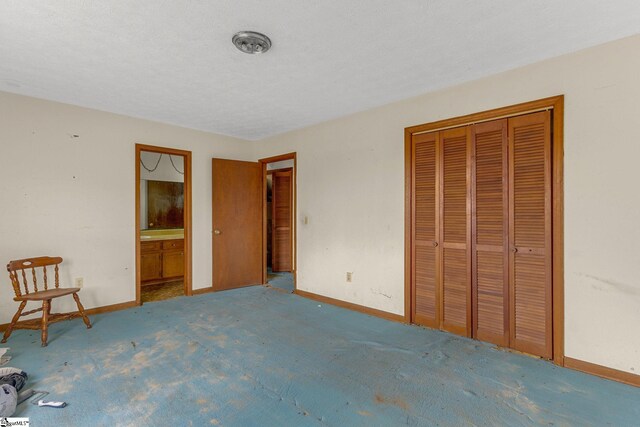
(425, 256)
(455, 232)
(490, 232)
(237, 224)
(281, 220)
(530, 234)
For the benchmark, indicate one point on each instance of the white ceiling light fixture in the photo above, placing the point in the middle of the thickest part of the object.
(251, 42)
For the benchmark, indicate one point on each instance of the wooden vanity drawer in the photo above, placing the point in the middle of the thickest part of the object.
(150, 246)
(173, 244)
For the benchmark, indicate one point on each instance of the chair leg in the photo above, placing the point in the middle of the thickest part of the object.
(7, 332)
(46, 308)
(81, 310)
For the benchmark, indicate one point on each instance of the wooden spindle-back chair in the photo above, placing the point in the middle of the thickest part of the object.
(24, 276)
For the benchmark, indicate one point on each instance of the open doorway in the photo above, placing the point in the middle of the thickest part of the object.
(279, 221)
(163, 223)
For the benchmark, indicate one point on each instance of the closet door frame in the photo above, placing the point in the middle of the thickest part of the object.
(556, 106)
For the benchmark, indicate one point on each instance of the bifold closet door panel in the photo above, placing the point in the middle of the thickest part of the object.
(490, 202)
(530, 233)
(282, 231)
(425, 288)
(455, 211)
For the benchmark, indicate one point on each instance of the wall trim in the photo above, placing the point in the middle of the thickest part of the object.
(110, 308)
(88, 312)
(203, 291)
(602, 371)
(351, 306)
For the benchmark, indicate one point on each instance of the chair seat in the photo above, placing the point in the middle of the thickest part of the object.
(47, 295)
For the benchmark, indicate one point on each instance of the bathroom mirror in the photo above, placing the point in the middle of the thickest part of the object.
(161, 191)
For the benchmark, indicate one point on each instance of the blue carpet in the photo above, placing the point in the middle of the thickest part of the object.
(259, 357)
(280, 280)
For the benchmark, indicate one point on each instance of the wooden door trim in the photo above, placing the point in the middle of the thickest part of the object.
(279, 158)
(550, 103)
(557, 229)
(294, 231)
(556, 104)
(408, 228)
(188, 285)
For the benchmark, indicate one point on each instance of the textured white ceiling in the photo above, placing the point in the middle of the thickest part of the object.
(173, 61)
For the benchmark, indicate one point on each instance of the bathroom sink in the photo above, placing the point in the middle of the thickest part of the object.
(171, 234)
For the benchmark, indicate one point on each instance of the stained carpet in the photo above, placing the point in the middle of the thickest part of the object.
(259, 357)
(279, 280)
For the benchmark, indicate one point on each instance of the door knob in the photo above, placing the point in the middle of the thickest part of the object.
(514, 250)
(435, 244)
(216, 231)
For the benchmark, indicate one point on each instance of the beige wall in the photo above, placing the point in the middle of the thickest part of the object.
(74, 197)
(351, 186)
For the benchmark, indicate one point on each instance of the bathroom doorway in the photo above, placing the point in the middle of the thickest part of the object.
(163, 223)
(279, 201)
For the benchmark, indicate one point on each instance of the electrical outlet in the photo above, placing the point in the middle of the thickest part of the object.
(78, 282)
(349, 277)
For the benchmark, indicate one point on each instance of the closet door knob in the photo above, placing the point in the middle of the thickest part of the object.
(435, 244)
(514, 250)
(216, 231)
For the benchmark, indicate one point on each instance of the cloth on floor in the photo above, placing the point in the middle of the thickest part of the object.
(8, 400)
(8, 370)
(14, 377)
(4, 358)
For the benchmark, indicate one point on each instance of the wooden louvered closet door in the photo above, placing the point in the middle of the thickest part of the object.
(455, 231)
(425, 253)
(481, 232)
(490, 232)
(530, 233)
(281, 244)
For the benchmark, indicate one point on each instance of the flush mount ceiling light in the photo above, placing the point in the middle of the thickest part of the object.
(251, 42)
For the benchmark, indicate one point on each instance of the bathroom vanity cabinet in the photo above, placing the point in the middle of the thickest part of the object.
(161, 260)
